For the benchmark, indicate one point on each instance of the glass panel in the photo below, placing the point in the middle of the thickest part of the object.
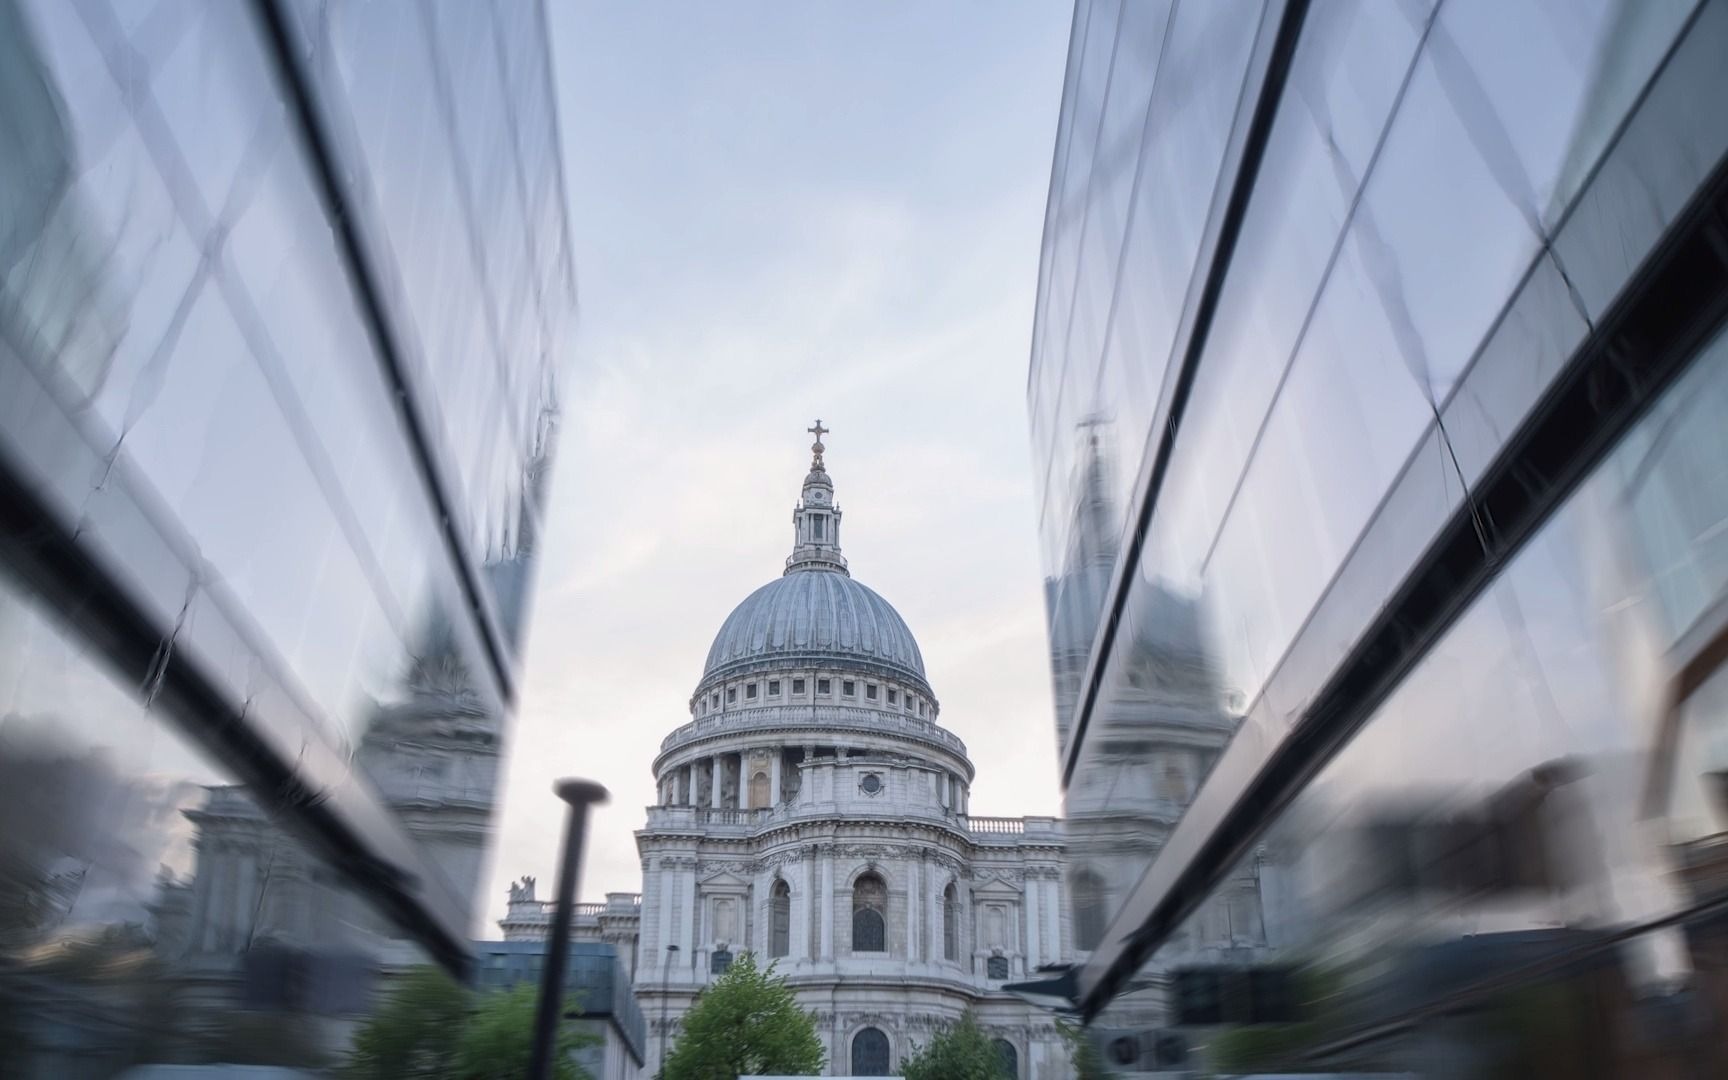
(870, 1053)
(868, 931)
(1398, 212)
(154, 910)
(463, 172)
(213, 428)
(1547, 783)
(1148, 210)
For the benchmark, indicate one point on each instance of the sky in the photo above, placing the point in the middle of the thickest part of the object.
(782, 212)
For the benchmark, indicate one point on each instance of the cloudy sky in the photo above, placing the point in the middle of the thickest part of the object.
(785, 211)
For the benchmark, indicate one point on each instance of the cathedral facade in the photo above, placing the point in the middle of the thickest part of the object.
(813, 812)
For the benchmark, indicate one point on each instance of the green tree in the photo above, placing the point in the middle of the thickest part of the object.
(961, 1051)
(500, 1035)
(416, 1034)
(1083, 1055)
(747, 1022)
(432, 1029)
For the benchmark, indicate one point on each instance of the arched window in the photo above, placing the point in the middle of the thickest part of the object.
(1089, 913)
(950, 924)
(1010, 1057)
(869, 914)
(1174, 784)
(759, 791)
(996, 967)
(780, 920)
(870, 1053)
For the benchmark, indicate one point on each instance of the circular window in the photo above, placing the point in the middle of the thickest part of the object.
(871, 784)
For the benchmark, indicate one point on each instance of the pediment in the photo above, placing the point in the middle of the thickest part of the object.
(997, 887)
(724, 880)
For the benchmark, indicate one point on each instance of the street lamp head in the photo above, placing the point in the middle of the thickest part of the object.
(580, 792)
(671, 948)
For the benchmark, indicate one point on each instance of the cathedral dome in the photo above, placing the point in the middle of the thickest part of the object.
(815, 615)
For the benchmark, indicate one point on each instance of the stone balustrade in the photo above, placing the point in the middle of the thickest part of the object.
(827, 717)
(746, 822)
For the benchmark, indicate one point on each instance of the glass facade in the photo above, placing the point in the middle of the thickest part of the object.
(285, 289)
(1381, 463)
(596, 982)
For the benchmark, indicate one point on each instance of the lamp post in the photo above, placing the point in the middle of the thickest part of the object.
(580, 794)
(665, 1000)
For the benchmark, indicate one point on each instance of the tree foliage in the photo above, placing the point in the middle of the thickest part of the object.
(746, 1022)
(432, 1029)
(499, 1039)
(416, 1034)
(959, 1052)
(1083, 1055)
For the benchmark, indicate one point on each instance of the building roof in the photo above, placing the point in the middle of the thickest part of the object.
(820, 615)
(816, 613)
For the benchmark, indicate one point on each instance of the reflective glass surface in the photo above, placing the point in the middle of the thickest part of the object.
(1399, 296)
(279, 334)
(152, 911)
(1134, 209)
(1527, 837)
(445, 112)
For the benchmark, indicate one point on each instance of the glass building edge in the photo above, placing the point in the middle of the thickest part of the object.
(1478, 446)
(495, 603)
(503, 964)
(1279, 28)
(93, 555)
(1385, 930)
(1051, 199)
(325, 125)
(191, 642)
(1300, 682)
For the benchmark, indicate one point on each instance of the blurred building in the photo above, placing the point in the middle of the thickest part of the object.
(597, 983)
(814, 813)
(285, 288)
(1378, 396)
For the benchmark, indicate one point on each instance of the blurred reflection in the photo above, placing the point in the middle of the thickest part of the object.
(258, 629)
(53, 284)
(1155, 733)
(1517, 867)
(172, 905)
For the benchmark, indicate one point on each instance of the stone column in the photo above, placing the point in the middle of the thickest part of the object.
(933, 906)
(804, 909)
(717, 769)
(688, 879)
(758, 928)
(774, 778)
(826, 913)
(913, 893)
(646, 931)
(1029, 919)
(665, 896)
(202, 883)
(967, 934)
(224, 900)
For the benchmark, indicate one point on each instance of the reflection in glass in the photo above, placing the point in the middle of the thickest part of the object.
(1548, 780)
(206, 447)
